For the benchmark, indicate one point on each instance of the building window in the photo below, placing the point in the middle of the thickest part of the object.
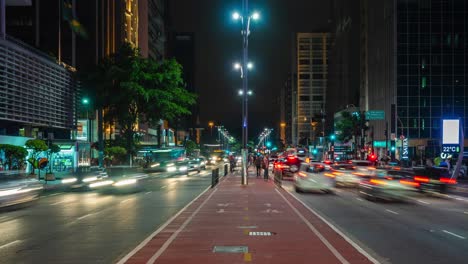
(423, 82)
(304, 98)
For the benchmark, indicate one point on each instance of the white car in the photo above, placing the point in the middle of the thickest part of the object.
(311, 177)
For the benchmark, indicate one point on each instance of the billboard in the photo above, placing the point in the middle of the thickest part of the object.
(450, 132)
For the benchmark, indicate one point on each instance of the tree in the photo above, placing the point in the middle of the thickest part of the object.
(134, 89)
(37, 146)
(14, 155)
(352, 125)
(115, 153)
(53, 149)
(190, 146)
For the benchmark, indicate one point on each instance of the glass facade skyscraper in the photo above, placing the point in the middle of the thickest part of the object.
(432, 52)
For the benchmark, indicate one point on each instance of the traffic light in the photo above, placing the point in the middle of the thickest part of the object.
(332, 137)
(268, 144)
(314, 151)
(372, 157)
(392, 148)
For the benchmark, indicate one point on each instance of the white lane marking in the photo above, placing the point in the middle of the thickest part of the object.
(315, 231)
(459, 199)
(164, 186)
(453, 234)
(423, 202)
(176, 233)
(390, 211)
(61, 202)
(84, 216)
(465, 212)
(349, 240)
(148, 192)
(359, 199)
(54, 194)
(338, 191)
(127, 200)
(9, 244)
(150, 237)
(220, 211)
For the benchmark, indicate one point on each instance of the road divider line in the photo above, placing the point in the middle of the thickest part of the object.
(148, 239)
(315, 231)
(453, 234)
(148, 192)
(84, 216)
(423, 202)
(126, 200)
(334, 228)
(11, 243)
(61, 202)
(390, 211)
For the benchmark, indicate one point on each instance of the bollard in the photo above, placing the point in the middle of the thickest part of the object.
(217, 175)
(213, 178)
(278, 177)
(225, 169)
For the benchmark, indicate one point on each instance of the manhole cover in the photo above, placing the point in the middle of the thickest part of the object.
(261, 233)
(231, 249)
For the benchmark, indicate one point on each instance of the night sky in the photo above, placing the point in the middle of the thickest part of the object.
(219, 44)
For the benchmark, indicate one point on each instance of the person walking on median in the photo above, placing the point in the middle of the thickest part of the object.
(258, 165)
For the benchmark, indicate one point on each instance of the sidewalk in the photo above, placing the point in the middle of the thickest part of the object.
(257, 223)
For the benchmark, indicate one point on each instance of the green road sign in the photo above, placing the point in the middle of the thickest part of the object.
(375, 115)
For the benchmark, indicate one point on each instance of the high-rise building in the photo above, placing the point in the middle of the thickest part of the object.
(38, 93)
(312, 71)
(344, 59)
(417, 56)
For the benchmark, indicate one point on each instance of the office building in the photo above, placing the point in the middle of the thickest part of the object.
(312, 74)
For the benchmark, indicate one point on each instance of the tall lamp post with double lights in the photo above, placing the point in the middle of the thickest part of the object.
(245, 18)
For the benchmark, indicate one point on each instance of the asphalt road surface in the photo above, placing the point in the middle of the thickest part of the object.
(426, 230)
(90, 227)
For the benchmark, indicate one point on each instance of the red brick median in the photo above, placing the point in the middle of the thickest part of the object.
(259, 217)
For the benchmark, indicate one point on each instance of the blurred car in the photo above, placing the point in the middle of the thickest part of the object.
(170, 160)
(195, 164)
(311, 177)
(287, 166)
(84, 177)
(382, 186)
(361, 163)
(215, 159)
(15, 191)
(121, 184)
(436, 179)
(345, 175)
(203, 162)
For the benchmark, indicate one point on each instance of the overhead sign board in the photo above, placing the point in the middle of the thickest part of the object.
(375, 115)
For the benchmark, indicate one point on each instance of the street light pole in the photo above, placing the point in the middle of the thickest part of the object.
(245, 47)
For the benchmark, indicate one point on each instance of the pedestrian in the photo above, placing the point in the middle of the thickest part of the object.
(258, 165)
(265, 168)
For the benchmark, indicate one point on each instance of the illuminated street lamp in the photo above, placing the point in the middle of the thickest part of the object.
(211, 124)
(245, 18)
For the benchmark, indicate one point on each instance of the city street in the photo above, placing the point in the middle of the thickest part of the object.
(425, 230)
(89, 227)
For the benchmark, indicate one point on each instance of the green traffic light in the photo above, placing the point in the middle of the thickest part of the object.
(332, 137)
(314, 151)
(85, 101)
